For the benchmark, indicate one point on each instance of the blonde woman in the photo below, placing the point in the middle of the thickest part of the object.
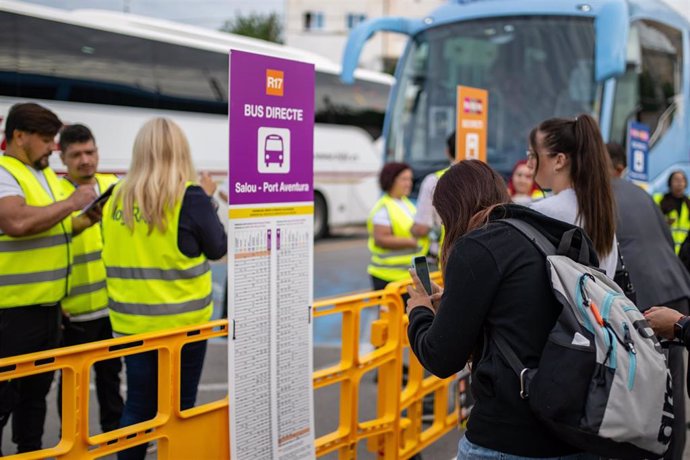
(159, 231)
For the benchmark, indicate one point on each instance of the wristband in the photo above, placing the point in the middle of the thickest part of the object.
(679, 326)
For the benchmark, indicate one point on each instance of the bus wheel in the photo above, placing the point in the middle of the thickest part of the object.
(320, 216)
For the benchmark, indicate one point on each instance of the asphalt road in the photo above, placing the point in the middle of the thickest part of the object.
(340, 267)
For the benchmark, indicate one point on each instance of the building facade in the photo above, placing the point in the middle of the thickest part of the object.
(323, 27)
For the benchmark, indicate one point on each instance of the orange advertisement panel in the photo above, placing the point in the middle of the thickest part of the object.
(471, 124)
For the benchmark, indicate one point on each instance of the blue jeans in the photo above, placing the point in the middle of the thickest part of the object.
(469, 451)
(142, 388)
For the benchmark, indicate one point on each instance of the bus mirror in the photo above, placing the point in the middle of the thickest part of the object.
(363, 32)
(611, 27)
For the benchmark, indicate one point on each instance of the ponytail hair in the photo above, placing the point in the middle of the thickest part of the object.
(580, 139)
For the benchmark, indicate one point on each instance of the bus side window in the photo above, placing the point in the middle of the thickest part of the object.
(626, 104)
(660, 80)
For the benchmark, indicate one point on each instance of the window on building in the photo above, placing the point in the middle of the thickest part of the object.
(353, 19)
(313, 20)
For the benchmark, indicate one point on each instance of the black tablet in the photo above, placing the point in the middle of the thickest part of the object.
(100, 201)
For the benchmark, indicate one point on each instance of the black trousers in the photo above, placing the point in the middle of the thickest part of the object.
(110, 402)
(677, 368)
(27, 330)
(380, 284)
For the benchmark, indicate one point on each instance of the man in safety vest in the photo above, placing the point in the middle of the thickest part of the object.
(85, 309)
(426, 221)
(675, 205)
(36, 226)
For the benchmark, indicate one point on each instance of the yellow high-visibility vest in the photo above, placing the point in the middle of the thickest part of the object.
(34, 269)
(538, 194)
(681, 225)
(151, 284)
(392, 264)
(87, 292)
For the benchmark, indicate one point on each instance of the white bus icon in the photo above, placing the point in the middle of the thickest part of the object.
(273, 156)
(273, 150)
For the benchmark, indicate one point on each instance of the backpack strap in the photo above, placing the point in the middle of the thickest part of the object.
(567, 244)
(514, 362)
(547, 248)
(535, 236)
(566, 247)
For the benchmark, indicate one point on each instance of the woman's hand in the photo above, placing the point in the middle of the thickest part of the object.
(207, 183)
(436, 294)
(418, 295)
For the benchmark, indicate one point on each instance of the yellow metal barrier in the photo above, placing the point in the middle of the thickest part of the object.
(186, 434)
(419, 386)
(386, 358)
(171, 427)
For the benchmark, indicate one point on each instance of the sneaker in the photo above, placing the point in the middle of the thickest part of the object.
(428, 417)
(428, 409)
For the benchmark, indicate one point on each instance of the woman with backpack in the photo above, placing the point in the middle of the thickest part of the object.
(570, 158)
(495, 283)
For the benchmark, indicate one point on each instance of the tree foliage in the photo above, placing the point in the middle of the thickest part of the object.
(263, 26)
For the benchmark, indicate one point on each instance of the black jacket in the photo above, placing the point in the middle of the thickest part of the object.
(645, 241)
(495, 280)
(199, 229)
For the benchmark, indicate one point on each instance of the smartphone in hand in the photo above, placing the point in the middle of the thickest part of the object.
(421, 267)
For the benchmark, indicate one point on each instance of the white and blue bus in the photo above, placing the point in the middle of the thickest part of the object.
(113, 71)
(619, 60)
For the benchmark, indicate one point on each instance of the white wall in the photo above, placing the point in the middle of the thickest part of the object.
(330, 41)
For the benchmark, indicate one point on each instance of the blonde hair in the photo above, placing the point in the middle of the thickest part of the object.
(160, 168)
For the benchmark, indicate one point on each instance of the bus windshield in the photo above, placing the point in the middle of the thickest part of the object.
(534, 68)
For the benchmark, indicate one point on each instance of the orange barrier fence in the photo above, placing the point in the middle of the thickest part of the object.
(396, 432)
(176, 432)
(419, 386)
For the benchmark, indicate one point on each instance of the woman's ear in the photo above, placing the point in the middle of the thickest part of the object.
(562, 162)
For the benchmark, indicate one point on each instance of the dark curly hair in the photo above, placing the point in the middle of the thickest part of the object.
(389, 173)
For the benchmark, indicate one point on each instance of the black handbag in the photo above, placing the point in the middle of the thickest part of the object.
(622, 278)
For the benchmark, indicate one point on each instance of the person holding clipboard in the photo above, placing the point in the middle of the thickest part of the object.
(85, 309)
(36, 227)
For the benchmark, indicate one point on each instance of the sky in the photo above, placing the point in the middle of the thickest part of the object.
(203, 13)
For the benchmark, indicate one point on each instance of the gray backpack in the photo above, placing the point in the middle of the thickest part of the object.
(602, 384)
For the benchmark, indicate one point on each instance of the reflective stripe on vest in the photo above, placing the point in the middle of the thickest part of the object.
(161, 309)
(152, 285)
(87, 292)
(137, 273)
(681, 224)
(392, 264)
(34, 269)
